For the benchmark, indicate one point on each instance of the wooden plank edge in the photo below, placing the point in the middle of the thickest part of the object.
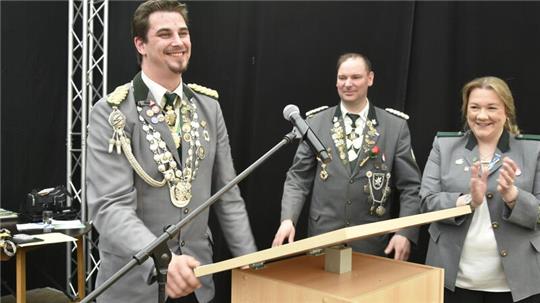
(331, 238)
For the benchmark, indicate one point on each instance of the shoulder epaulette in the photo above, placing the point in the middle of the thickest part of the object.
(397, 113)
(450, 134)
(204, 90)
(312, 112)
(528, 137)
(118, 95)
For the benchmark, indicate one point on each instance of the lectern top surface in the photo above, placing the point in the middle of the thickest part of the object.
(332, 238)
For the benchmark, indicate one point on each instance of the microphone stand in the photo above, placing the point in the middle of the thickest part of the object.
(158, 249)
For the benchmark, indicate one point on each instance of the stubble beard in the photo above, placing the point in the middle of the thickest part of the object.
(180, 69)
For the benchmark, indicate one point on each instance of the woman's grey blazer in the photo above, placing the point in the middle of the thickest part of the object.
(447, 176)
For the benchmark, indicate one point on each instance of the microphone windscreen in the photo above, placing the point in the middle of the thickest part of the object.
(289, 110)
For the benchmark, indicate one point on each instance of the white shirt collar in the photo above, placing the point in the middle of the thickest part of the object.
(363, 114)
(159, 91)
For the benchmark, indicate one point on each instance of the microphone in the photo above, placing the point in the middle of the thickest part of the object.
(292, 113)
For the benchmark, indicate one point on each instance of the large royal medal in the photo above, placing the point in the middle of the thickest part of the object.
(180, 194)
(378, 183)
(378, 180)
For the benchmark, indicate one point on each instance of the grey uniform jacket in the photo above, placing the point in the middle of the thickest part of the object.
(342, 199)
(447, 176)
(128, 213)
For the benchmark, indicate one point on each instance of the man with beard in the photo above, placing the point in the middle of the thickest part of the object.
(157, 149)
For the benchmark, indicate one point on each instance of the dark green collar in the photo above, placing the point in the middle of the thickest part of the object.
(503, 145)
(140, 90)
(188, 92)
(371, 116)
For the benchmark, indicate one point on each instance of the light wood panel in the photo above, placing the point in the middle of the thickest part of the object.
(372, 279)
(343, 235)
(48, 238)
(21, 275)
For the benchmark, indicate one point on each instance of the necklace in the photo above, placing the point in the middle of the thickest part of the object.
(178, 178)
(490, 161)
(484, 160)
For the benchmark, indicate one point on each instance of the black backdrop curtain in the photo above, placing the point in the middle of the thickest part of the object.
(261, 56)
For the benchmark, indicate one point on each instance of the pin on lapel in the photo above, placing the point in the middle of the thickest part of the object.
(459, 161)
(144, 103)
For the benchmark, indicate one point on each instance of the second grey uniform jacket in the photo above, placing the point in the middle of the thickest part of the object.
(129, 213)
(447, 176)
(342, 199)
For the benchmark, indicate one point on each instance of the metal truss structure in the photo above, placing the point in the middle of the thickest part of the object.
(87, 83)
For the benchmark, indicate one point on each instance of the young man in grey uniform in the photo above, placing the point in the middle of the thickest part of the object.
(372, 162)
(157, 149)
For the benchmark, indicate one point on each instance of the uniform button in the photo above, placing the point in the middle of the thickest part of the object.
(351, 181)
(504, 253)
(349, 202)
(489, 195)
(186, 210)
(495, 225)
(347, 223)
(182, 243)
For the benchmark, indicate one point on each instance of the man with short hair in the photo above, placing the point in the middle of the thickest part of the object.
(372, 159)
(157, 149)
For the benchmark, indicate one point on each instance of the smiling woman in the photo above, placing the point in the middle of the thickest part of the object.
(486, 255)
(488, 108)
(485, 115)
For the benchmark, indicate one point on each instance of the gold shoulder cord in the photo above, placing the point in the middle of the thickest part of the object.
(117, 120)
(126, 147)
(204, 90)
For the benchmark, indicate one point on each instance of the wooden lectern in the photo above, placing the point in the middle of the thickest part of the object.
(367, 279)
(372, 279)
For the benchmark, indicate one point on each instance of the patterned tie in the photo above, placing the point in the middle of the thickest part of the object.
(170, 118)
(170, 113)
(169, 99)
(352, 136)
